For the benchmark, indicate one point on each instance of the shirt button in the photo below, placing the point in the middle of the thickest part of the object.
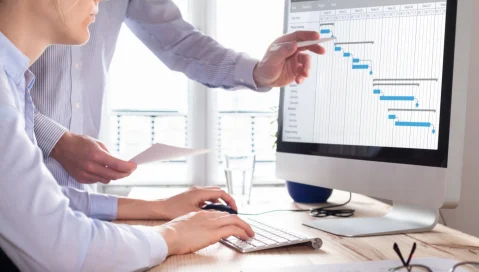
(242, 80)
(77, 105)
(77, 65)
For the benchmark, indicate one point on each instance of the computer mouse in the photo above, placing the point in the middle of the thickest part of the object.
(219, 207)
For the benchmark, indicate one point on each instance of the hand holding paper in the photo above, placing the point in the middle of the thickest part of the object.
(162, 152)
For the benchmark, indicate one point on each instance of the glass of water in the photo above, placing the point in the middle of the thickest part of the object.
(239, 172)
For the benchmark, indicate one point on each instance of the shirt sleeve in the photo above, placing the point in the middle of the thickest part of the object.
(98, 206)
(38, 230)
(47, 132)
(160, 26)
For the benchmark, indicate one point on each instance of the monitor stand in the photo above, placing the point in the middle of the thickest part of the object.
(401, 219)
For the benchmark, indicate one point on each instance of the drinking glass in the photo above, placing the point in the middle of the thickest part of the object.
(239, 172)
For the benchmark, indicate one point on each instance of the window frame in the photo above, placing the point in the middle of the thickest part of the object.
(202, 117)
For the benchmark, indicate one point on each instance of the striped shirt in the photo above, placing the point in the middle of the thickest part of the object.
(71, 80)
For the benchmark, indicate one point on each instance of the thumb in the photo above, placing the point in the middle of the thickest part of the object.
(285, 51)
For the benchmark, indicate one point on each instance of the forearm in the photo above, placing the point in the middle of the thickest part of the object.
(183, 48)
(48, 133)
(109, 207)
(135, 209)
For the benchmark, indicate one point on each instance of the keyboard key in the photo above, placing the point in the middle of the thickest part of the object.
(232, 239)
(256, 243)
(268, 241)
(261, 232)
(285, 237)
(245, 246)
(299, 235)
(279, 233)
(272, 237)
(291, 237)
(281, 240)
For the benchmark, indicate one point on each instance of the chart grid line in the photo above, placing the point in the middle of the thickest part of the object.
(414, 110)
(349, 43)
(406, 79)
(397, 84)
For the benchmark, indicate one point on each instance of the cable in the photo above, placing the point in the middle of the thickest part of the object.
(317, 212)
(328, 211)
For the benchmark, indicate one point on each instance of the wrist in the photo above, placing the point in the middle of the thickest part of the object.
(158, 209)
(261, 80)
(61, 144)
(170, 235)
(256, 78)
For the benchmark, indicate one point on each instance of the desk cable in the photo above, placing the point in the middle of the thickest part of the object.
(325, 211)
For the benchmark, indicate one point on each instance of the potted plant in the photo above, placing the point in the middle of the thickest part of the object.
(303, 193)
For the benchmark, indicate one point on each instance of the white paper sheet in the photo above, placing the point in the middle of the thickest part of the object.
(162, 152)
(436, 264)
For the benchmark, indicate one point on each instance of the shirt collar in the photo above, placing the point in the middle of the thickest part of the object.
(30, 79)
(15, 62)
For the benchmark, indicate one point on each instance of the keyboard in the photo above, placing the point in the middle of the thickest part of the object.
(267, 237)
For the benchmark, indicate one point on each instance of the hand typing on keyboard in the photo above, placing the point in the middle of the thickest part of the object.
(197, 230)
(267, 237)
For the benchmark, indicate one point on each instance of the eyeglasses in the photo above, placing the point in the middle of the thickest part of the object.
(407, 267)
(331, 211)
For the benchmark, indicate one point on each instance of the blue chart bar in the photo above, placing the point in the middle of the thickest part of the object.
(325, 31)
(356, 60)
(337, 48)
(413, 124)
(392, 117)
(361, 67)
(396, 98)
(377, 91)
(347, 54)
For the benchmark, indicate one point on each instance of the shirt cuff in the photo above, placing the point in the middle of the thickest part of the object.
(158, 246)
(48, 133)
(103, 207)
(244, 73)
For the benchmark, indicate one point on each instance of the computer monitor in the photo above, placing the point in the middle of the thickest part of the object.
(383, 111)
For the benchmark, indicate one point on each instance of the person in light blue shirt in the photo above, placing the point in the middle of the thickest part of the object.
(38, 229)
(71, 83)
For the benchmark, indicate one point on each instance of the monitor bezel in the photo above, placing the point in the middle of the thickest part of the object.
(421, 157)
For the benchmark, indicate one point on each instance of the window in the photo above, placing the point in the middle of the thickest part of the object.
(247, 119)
(143, 111)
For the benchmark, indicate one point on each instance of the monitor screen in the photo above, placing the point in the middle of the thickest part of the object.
(381, 82)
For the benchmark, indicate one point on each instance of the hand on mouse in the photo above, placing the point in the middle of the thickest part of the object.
(191, 201)
(198, 230)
